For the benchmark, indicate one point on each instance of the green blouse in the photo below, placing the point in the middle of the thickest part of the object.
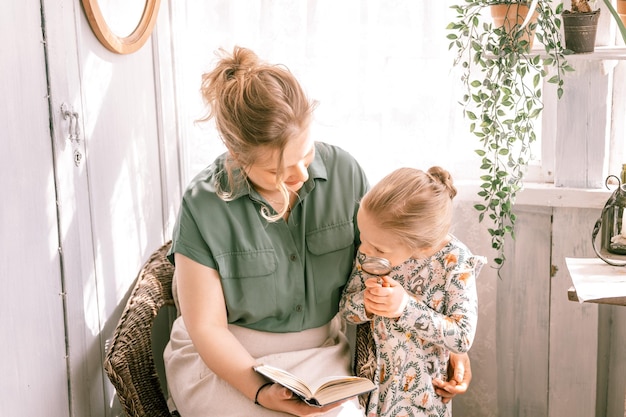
(284, 276)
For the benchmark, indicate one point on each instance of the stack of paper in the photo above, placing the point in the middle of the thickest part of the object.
(594, 279)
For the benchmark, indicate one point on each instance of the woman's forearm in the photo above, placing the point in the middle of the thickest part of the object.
(223, 354)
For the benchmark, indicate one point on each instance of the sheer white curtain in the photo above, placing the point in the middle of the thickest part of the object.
(381, 71)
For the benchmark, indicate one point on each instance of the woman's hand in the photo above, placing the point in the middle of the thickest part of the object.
(385, 297)
(459, 368)
(278, 398)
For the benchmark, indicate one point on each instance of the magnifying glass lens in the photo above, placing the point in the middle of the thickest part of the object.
(374, 265)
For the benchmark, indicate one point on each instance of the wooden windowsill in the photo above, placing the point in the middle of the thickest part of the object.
(546, 195)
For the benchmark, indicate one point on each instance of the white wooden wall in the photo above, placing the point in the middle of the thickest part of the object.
(537, 353)
(32, 350)
(79, 216)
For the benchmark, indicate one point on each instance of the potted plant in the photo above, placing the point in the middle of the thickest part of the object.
(580, 25)
(621, 10)
(515, 16)
(502, 77)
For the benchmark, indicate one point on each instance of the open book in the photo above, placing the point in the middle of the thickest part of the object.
(321, 392)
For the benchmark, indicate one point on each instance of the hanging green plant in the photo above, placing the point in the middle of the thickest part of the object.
(503, 78)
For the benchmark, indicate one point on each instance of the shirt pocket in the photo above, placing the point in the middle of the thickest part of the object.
(248, 284)
(332, 253)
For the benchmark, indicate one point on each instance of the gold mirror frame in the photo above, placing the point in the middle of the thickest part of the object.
(110, 40)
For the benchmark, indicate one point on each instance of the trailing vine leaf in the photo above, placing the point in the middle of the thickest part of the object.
(503, 79)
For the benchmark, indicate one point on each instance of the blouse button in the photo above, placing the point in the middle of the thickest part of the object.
(292, 257)
(299, 308)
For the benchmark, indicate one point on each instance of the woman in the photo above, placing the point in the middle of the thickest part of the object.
(263, 246)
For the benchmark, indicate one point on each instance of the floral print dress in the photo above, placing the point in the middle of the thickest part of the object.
(413, 349)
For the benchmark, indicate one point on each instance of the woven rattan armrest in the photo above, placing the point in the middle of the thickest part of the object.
(129, 362)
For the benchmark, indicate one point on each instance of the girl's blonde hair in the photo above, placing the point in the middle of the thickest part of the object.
(414, 205)
(257, 107)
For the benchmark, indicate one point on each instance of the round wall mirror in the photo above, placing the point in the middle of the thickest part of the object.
(127, 26)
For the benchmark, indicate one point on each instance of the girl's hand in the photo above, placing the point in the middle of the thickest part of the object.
(386, 298)
(278, 398)
(461, 371)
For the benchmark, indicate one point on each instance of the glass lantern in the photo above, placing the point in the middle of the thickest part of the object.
(612, 227)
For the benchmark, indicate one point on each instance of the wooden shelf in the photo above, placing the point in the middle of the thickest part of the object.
(601, 53)
(617, 301)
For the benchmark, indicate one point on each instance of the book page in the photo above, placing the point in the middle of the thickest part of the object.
(285, 379)
(322, 392)
(339, 389)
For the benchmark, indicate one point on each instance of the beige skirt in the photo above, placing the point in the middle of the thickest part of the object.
(197, 392)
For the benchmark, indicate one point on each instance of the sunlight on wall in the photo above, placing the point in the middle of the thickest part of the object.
(126, 195)
(91, 304)
(99, 73)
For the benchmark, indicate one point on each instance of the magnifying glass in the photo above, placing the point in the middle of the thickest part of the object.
(374, 265)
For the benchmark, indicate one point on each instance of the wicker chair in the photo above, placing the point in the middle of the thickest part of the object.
(129, 362)
(365, 357)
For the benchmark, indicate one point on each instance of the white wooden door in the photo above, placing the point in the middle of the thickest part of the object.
(33, 365)
(112, 173)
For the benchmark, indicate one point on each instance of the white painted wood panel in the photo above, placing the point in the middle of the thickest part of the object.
(32, 351)
(554, 357)
(523, 327)
(573, 326)
(583, 120)
(112, 203)
(482, 398)
(167, 109)
(618, 120)
(123, 166)
(75, 228)
(612, 359)
(536, 352)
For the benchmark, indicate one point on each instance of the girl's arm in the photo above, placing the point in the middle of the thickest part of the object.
(459, 377)
(454, 330)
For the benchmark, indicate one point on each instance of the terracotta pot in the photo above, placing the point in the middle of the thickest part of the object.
(579, 30)
(511, 16)
(621, 10)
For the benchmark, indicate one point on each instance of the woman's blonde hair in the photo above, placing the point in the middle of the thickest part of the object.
(257, 107)
(414, 205)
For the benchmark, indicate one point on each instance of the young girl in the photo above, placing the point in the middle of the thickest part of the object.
(425, 305)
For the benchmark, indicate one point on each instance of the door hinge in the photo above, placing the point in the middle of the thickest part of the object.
(553, 270)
